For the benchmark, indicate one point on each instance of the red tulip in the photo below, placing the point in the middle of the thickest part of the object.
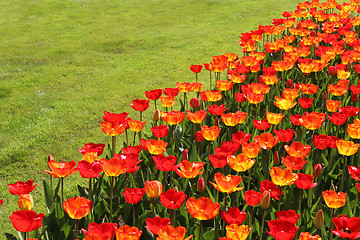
(106, 231)
(346, 227)
(271, 187)
(140, 104)
(305, 181)
(153, 94)
(317, 170)
(19, 188)
(171, 92)
(306, 102)
(26, 221)
(354, 172)
(261, 124)
(284, 135)
(160, 131)
(195, 68)
(240, 137)
(172, 199)
(163, 163)
(233, 216)
(92, 147)
(155, 224)
(321, 141)
(218, 160)
(61, 169)
(253, 198)
(134, 195)
(338, 118)
(217, 110)
(288, 215)
(89, 170)
(282, 230)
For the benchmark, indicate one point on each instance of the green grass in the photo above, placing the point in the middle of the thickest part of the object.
(62, 63)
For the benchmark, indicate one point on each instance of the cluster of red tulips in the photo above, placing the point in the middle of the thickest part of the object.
(275, 143)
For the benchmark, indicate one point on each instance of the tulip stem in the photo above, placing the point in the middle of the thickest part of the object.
(184, 101)
(76, 228)
(133, 213)
(200, 229)
(280, 199)
(89, 192)
(111, 196)
(113, 143)
(343, 174)
(153, 207)
(249, 180)
(250, 220)
(24, 235)
(262, 223)
(62, 189)
(134, 139)
(332, 211)
(300, 201)
(172, 217)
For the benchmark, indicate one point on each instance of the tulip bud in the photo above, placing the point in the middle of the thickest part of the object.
(194, 103)
(289, 83)
(319, 219)
(50, 158)
(354, 98)
(199, 137)
(202, 106)
(325, 95)
(185, 155)
(25, 202)
(312, 33)
(332, 70)
(276, 158)
(332, 187)
(216, 123)
(153, 188)
(317, 170)
(201, 184)
(157, 115)
(265, 201)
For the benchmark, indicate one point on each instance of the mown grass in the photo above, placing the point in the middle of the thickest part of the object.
(62, 63)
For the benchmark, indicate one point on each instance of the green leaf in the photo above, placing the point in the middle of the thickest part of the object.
(209, 235)
(48, 195)
(10, 236)
(210, 194)
(66, 229)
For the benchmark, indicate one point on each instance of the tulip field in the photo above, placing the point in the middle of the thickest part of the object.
(258, 144)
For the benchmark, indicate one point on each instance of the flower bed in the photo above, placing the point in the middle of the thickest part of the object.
(270, 151)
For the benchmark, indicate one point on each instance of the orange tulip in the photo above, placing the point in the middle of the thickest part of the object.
(167, 101)
(198, 87)
(231, 119)
(294, 163)
(337, 90)
(308, 236)
(312, 120)
(240, 162)
(282, 177)
(25, 202)
(254, 98)
(249, 61)
(210, 133)
(196, 117)
(309, 88)
(284, 103)
(77, 207)
(153, 188)
(333, 199)
(185, 87)
(114, 166)
(251, 149)
(170, 233)
(128, 233)
(227, 184)
(173, 117)
(259, 88)
(297, 149)
(353, 130)
(290, 93)
(211, 95)
(187, 169)
(332, 105)
(269, 79)
(156, 147)
(224, 85)
(274, 118)
(203, 208)
(113, 128)
(266, 141)
(236, 232)
(347, 148)
(281, 66)
(136, 125)
(61, 169)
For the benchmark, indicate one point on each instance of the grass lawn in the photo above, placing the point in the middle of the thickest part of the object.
(62, 63)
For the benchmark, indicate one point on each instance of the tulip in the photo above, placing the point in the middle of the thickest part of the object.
(186, 169)
(26, 221)
(77, 207)
(202, 208)
(133, 195)
(25, 202)
(156, 223)
(195, 103)
(227, 184)
(172, 199)
(201, 184)
(236, 232)
(153, 188)
(61, 169)
(282, 177)
(171, 233)
(127, 232)
(346, 227)
(160, 131)
(265, 201)
(233, 216)
(106, 231)
(333, 199)
(317, 170)
(319, 219)
(19, 188)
